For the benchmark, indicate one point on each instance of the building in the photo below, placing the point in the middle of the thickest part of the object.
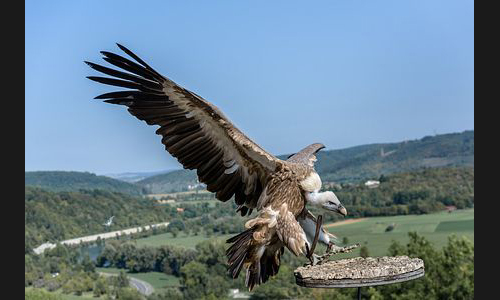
(450, 208)
(236, 294)
(372, 183)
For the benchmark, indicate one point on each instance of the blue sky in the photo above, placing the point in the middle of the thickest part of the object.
(287, 73)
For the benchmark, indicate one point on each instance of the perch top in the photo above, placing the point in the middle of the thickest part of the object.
(356, 272)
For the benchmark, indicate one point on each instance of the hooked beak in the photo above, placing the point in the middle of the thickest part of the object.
(341, 210)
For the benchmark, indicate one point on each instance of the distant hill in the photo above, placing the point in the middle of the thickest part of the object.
(174, 181)
(361, 162)
(415, 192)
(343, 165)
(55, 216)
(134, 176)
(369, 161)
(74, 181)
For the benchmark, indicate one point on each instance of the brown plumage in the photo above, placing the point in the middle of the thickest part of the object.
(228, 162)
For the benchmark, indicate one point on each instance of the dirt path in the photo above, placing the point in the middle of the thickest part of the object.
(350, 221)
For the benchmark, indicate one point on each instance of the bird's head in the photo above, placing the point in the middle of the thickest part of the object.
(329, 201)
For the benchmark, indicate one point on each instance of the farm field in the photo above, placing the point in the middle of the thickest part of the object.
(435, 227)
(188, 241)
(158, 280)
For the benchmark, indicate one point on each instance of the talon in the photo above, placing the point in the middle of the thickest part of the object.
(314, 259)
(329, 247)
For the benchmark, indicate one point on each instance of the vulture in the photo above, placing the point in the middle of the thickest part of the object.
(231, 165)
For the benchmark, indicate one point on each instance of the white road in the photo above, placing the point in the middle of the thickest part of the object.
(142, 286)
(91, 238)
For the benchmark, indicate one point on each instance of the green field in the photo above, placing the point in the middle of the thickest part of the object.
(187, 241)
(435, 227)
(158, 280)
(456, 226)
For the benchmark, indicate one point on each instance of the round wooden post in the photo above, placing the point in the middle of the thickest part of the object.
(359, 272)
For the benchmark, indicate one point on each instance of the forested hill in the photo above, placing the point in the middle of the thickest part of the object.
(174, 181)
(360, 162)
(74, 181)
(369, 161)
(416, 192)
(55, 216)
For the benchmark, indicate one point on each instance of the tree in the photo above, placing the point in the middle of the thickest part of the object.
(282, 286)
(127, 293)
(40, 294)
(87, 264)
(168, 294)
(363, 251)
(122, 280)
(100, 287)
(194, 277)
(449, 272)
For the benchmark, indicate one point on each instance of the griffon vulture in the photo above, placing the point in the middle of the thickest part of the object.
(231, 165)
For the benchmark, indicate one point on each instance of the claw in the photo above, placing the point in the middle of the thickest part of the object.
(329, 247)
(314, 259)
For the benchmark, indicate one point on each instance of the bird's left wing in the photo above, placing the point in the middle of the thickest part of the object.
(193, 130)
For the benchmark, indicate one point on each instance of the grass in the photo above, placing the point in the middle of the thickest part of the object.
(465, 225)
(182, 240)
(158, 280)
(435, 227)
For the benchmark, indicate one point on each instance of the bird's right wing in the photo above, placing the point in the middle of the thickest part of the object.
(307, 155)
(193, 130)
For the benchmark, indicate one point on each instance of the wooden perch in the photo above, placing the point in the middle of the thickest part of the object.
(358, 272)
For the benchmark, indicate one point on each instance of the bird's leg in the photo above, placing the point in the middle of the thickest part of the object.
(313, 258)
(316, 236)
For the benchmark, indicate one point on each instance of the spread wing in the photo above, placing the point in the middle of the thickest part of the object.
(193, 130)
(307, 155)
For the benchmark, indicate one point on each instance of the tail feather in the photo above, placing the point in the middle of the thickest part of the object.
(253, 276)
(261, 261)
(238, 252)
(270, 264)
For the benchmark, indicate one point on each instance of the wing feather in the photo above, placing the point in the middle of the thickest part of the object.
(307, 155)
(192, 129)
